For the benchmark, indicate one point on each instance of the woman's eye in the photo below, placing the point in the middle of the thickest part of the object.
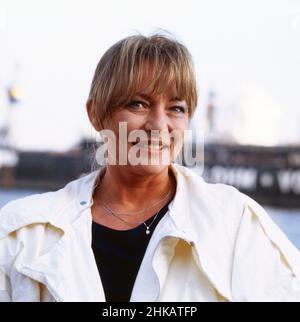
(178, 109)
(136, 104)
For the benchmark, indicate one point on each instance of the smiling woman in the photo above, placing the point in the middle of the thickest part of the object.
(145, 231)
(152, 89)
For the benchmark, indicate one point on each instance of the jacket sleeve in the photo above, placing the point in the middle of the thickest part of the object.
(5, 262)
(5, 295)
(5, 289)
(266, 266)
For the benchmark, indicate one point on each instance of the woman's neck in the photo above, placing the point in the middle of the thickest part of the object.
(125, 190)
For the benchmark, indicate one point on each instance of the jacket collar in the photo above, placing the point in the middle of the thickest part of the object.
(74, 199)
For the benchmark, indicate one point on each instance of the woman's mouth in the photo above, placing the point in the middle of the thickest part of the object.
(152, 145)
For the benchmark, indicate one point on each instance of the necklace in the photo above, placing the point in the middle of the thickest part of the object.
(108, 210)
(118, 214)
(132, 213)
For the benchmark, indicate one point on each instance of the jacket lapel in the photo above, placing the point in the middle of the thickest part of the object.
(69, 269)
(197, 219)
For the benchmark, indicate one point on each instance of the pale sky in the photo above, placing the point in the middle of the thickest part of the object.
(247, 51)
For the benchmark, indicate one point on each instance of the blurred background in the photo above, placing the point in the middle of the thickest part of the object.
(247, 60)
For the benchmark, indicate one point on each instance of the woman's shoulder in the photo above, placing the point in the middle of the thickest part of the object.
(265, 264)
(227, 206)
(209, 195)
(47, 207)
(217, 196)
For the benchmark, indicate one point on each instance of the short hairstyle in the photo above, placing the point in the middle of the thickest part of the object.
(121, 69)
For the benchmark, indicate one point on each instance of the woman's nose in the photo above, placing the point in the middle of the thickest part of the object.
(157, 119)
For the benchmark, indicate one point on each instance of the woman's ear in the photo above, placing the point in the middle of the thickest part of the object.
(91, 115)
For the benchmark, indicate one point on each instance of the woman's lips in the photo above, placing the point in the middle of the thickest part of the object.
(151, 145)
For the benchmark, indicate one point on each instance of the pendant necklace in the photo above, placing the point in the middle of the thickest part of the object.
(108, 210)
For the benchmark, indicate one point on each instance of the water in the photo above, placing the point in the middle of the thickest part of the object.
(7, 195)
(287, 220)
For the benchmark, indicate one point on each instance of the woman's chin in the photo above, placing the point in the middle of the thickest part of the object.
(149, 169)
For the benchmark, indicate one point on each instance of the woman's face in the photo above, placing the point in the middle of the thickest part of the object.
(155, 126)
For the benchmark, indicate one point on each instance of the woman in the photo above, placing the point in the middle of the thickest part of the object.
(143, 228)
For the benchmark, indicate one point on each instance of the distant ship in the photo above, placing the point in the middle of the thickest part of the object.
(271, 175)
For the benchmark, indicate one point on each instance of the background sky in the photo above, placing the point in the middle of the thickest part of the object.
(248, 52)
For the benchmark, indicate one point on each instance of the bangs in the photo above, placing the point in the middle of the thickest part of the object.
(139, 63)
(155, 75)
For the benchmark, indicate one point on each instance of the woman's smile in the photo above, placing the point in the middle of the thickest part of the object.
(152, 146)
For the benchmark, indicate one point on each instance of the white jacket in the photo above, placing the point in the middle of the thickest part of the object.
(214, 244)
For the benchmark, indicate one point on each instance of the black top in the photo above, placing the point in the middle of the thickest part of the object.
(119, 254)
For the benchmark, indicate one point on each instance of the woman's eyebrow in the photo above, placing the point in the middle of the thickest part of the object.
(176, 99)
(144, 96)
(149, 98)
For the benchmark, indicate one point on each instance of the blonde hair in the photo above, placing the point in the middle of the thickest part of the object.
(121, 70)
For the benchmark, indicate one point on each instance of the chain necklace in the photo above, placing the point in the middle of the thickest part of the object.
(132, 213)
(118, 214)
(108, 210)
